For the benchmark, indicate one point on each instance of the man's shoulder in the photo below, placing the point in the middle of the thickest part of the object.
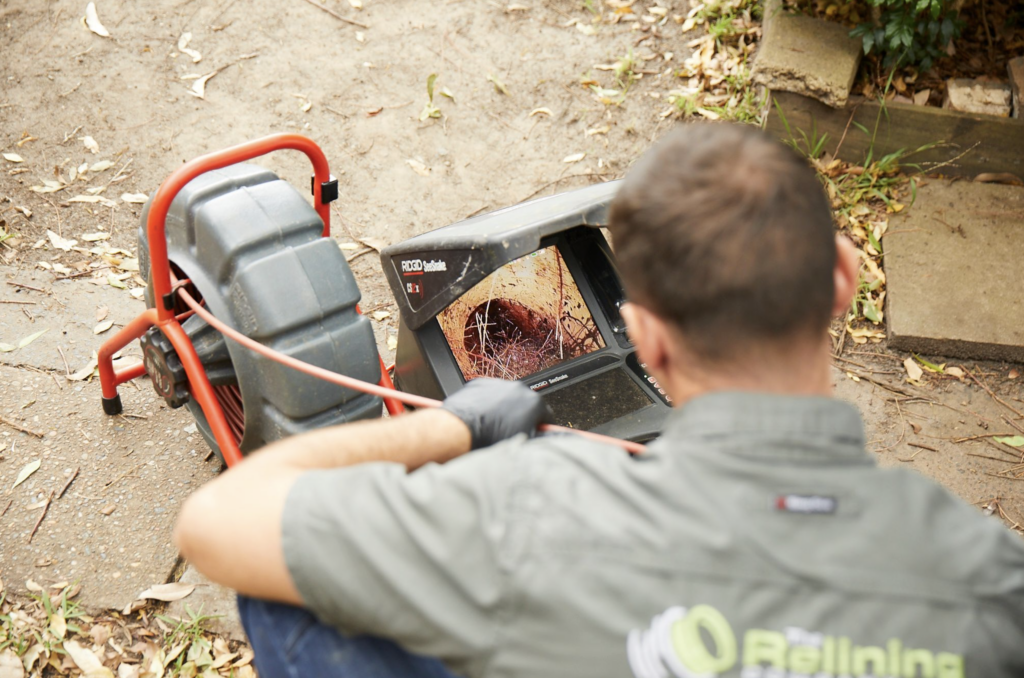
(975, 548)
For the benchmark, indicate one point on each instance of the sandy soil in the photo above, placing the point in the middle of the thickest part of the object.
(358, 92)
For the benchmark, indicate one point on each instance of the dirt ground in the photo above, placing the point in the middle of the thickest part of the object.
(358, 92)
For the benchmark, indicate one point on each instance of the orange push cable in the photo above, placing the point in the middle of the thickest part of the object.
(366, 387)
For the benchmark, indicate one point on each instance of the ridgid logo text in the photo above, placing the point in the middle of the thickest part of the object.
(699, 642)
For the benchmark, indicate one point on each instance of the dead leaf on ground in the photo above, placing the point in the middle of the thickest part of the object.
(499, 86)
(914, 371)
(10, 665)
(58, 625)
(167, 592)
(108, 509)
(90, 143)
(59, 242)
(418, 167)
(392, 343)
(25, 472)
(1014, 373)
(13, 157)
(381, 315)
(575, 157)
(540, 111)
(184, 48)
(87, 661)
(85, 372)
(92, 21)
(103, 327)
(955, 371)
(23, 342)
(102, 312)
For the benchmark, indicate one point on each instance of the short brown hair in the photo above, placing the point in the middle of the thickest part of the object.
(727, 234)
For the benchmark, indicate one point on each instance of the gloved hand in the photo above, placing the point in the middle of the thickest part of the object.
(495, 409)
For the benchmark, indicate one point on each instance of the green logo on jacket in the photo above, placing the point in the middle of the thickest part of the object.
(699, 642)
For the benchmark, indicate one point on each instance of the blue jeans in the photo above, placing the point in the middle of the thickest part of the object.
(289, 642)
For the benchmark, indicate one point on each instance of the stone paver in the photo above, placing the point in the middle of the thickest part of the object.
(953, 266)
(978, 96)
(807, 56)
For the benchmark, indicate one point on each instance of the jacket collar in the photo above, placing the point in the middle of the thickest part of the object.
(762, 425)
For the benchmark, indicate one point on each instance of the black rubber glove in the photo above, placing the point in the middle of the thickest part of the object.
(495, 409)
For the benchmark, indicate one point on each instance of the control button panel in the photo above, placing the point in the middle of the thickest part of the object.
(640, 369)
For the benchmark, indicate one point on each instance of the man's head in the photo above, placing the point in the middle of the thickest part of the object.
(724, 238)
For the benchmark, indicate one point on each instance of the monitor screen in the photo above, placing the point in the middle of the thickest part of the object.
(525, 317)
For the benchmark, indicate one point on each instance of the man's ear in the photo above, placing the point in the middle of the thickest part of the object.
(648, 334)
(845, 275)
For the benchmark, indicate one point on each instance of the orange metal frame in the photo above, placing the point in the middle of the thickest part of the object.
(160, 279)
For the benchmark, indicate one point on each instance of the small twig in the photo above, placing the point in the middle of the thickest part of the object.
(336, 15)
(5, 420)
(4, 512)
(68, 483)
(842, 341)
(1013, 423)
(923, 447)
(46, 507)
(985, 456)
(83, 273)
(123, 475)
(27, 287)
(9, 301)
(978, 437)
(67, 370)
(996, 475)
(994, 396)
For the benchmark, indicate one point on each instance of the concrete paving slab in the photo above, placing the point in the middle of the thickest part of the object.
(807, 56)
(210, 600)
(953, 270)
(67, 310)
(111, 529)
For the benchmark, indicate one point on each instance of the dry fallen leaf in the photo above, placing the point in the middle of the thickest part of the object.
(575, 157)
(85, 372)
(1014, 373)
(92, 21)
(10, 665)
(103, 327)
(498, 84)
(108, 509)
(87, 661)
(914, 371)
(184, 49)
(13, 157)
(59, 242)
(955, 371)
(91, 144)
(58, 625)
(418, 167)
(392, 343)
(101, 166)
(539, 111)
(136, 198)
(356, 4)
(94, 199)
(33, 587)
(102, 312)
(167, 592)
(381, 315)
(28, 470)
(199, 86)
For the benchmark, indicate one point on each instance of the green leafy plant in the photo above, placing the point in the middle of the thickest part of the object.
(910, 32)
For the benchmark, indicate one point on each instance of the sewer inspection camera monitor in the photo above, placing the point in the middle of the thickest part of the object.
(531, 293)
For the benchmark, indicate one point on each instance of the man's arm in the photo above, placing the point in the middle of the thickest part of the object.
(230, 529)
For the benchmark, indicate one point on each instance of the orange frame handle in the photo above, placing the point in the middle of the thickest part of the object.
(160, 270)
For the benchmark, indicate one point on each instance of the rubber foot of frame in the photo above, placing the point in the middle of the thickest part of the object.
(113, 405)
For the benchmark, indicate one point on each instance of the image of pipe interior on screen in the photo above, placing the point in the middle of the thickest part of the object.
(525, 317)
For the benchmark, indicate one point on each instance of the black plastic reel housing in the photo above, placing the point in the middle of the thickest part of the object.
(252, 247)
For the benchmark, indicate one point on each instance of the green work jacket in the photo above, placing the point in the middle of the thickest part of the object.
(755, 538)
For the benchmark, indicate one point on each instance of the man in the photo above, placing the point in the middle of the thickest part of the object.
(756, 537)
